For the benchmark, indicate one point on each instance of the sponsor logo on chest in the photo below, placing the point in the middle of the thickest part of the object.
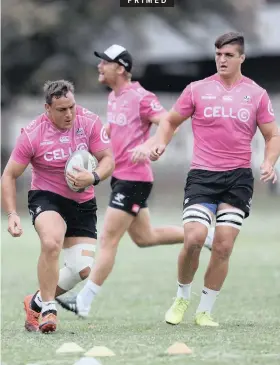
(117, 118)
(64, 139)
(46, 143)
(241, 114)
(80, 132)
(208, 97)
(227, 98)
(62, 154)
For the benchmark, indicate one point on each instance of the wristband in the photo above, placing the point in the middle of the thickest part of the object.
(12, 213)
(96, 178)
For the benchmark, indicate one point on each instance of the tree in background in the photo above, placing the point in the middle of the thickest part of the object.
(44, 39)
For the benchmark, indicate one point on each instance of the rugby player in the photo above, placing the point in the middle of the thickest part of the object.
(62, 218)
(226, 110)
(131, 112)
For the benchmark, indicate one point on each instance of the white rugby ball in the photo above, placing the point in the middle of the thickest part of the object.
(83, 159)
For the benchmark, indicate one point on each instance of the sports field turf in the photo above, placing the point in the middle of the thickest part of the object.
(128, 315)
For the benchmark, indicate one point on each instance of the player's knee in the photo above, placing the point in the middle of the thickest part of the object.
(194, 240)
(222, 249)
(78, 260)
(51, 246)
(139, 240)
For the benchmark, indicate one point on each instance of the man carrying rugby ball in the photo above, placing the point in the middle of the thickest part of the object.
(62, 218)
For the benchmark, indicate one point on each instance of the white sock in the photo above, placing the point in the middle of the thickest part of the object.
(184, 291)
(47, 306)
(38, 299)
(88, 293)
(207, 300)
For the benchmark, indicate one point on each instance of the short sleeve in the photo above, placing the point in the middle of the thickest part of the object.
(150, 107)
(184, 104)
(98, 140)
(265, 112)
(22, 152)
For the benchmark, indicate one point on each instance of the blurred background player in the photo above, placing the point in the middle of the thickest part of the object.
(226, 110)
(131, 112)
(61, 217)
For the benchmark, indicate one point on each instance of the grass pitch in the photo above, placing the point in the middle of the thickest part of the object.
(128, 316)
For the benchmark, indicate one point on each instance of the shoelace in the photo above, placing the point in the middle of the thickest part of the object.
(182, 305)
(207, 315)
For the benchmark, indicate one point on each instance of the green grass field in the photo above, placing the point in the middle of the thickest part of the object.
(128, 315)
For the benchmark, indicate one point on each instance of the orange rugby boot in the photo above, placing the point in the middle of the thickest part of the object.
(32, 317)
(48, 322)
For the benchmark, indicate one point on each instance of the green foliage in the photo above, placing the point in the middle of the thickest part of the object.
(47, 39)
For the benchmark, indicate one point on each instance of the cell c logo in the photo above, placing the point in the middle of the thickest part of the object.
(156, 106)
(270, 109)
(104, 136)
(121, 119)
(243, 115)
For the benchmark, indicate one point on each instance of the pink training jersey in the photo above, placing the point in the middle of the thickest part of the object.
(129, 114)
(48, 148)
(224, 121)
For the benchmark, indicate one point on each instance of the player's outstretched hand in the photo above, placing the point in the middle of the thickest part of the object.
(156, 151)
(82, 179)
(14, 226)
(140, 153)
(268, 172)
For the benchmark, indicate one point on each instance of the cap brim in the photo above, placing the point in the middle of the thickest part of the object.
(103, 56)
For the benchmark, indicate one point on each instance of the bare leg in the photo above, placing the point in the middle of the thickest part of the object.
(51, 230)
(145, 235)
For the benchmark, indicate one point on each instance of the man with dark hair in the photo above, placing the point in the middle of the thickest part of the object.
(57, 89)
(62, 218)
(226, 109)
(233, 39)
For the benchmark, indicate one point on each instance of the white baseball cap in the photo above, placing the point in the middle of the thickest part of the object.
(117, 54)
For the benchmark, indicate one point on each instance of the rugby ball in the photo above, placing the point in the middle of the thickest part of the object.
(83, 159)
